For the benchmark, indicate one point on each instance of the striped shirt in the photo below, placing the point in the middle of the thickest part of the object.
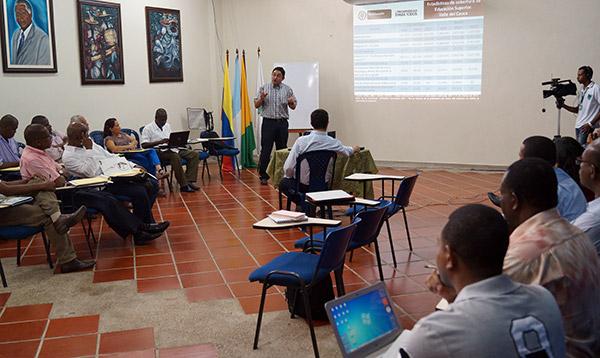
(275, 104)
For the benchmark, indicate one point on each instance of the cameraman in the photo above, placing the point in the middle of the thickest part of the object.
(588, 111)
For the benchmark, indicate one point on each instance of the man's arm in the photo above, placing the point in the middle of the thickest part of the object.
(148, 143)
(8, 164)
(289, 167)
(560, 103)
(20, 187)
(260, 100)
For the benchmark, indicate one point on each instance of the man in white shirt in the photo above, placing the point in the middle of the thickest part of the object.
(489, 314)
(588, 110)
(589, 173)
(158, 132)
(316, 140)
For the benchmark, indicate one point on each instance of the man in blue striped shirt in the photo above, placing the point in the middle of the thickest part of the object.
(274, 99)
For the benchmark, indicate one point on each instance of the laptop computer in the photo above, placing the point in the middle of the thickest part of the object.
(177, 140)
(364, 322)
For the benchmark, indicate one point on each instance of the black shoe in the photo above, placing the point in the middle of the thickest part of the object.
(76, 265)
(155, 227)
(495, 199)
(264, 181)
(142, 237)
(186, 189)
(194, 186)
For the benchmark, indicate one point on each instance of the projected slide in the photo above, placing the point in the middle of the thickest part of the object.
(418, 49)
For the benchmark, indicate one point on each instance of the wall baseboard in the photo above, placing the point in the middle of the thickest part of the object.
(446, 166)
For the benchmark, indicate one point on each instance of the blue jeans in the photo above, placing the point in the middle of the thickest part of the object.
(147, 159)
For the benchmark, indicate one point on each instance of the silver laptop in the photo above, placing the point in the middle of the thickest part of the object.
(364, 322)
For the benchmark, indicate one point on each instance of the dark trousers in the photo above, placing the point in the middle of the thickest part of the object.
(289, 187)
(191, 169)
(142, 197)
(117, 217)
(272, 131)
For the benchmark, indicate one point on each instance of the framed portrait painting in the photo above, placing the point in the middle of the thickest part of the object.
(163, 32)
(27, 29)
(100, 42)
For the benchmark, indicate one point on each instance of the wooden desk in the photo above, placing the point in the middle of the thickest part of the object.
(268, 224)
(367, 177)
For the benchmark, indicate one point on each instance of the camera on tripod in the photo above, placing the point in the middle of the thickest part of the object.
(559, 88)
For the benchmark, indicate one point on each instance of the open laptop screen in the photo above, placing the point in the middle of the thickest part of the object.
(363, 318)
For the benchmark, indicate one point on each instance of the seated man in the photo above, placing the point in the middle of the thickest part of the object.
(35, 162)
(44, 211)
(589, 173)
(82, 159)
(546, 249)
(58, 139)
(571, 201)
(489, 314)
(9, 150)
(158, 132)
(316, 140)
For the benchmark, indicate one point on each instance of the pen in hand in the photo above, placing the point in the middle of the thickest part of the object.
(433, 267)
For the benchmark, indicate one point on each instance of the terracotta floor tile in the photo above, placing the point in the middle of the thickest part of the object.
(201, 279)
(221, 252)
(237, 275)
(403, 285)
(152, 249)
(118, 252)
(207, 293)
(248, 289)
(273, 302)
(151, 260)
(195, 255)
(146, 353)
(222, 242)
(69, 347)
(158, 284)
(418, 302)
(114, 263)
(155, 271)
(196, 266)
(113, 275)
(188, 229)
(26, 313)
(3, 298)
(179, 238)
(127, 341)
(22, 331)
(19, 349)
(235, 262)
(188, 246)
(72, 326)
(195, 351)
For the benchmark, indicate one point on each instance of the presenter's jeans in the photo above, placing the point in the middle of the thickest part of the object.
(272, 131)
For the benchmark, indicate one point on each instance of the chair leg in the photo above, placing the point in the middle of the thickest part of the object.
(260, 313)
(378, 256)
(280, 199)
(407, 231)
(207, 168)
(87, 240)
(47, 247)
(339, 281)
(387, 224)
(18, 252)
(310, 321)
(220, 163)
(4, 283)
(351, 255)
(294, 300)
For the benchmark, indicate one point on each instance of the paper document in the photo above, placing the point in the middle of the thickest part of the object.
(8, 201)
(285, 216)
(329, 195)
(89, 181)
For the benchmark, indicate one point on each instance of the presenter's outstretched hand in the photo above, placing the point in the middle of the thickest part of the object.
(292, 101)
(263, 94)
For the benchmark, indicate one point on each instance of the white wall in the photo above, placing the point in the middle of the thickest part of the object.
(60, 95)
(525, 42)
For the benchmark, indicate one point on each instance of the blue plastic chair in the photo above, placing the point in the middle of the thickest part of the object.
(97, 137)
(368, 228)
(212, 150)
(318, 162)
(303, 271)
(20, 232)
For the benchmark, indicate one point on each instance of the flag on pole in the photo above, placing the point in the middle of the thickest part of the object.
(260, 81)
(248, 143)
(237, 114)
(227, 113)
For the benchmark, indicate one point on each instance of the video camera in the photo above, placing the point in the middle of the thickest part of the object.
(559, 88)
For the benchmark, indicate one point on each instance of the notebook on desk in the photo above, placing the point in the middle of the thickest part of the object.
(8, 201)
(364, 322)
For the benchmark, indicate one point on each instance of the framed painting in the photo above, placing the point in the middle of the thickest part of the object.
(27, 29)
(100, 42)
(163, 32)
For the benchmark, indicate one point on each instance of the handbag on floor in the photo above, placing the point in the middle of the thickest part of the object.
(320, 293)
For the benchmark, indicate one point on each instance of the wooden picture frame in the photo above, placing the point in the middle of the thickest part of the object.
(32, 50)
(100, 42)
(163, 36)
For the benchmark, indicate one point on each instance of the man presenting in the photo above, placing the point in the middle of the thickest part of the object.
(30, 45)
(588, 111)
(274, 98)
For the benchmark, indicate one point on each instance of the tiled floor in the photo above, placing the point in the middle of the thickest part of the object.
(210, 248)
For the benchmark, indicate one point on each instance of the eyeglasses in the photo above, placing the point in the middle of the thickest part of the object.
(578, 161)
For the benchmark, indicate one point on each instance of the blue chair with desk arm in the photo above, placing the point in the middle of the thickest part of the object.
(303, 271)
(219, 150)
(97, 137)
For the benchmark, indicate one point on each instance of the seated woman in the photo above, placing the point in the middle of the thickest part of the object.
(116, 141)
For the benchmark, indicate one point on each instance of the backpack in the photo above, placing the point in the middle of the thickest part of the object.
(318, 295)
(212, 146)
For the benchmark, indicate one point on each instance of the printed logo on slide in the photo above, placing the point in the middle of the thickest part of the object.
(362, 15)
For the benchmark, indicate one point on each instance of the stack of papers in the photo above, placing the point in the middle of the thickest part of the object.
(89, 181)
(8, 201)
(285, 216)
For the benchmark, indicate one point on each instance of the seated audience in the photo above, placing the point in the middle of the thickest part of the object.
(9, 150)
(546, 249)
(568, 150)
(589, 171)
(489, 314)
(44, 211)
(116, 141)
(58, 139)
(35, 162)
(82, 159)
(571, 201)
(316, 140)
(158, 132)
